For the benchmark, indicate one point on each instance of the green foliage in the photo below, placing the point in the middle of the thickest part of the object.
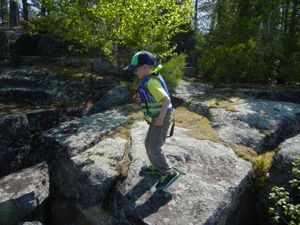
(242, 62)
(173, 70)
(285, 208)
(261, 166)
(117, 26)
(251, 41)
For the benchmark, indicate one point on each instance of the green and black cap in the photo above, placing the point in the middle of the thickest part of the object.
(140, 58)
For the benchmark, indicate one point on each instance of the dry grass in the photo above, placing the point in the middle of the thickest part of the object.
(245, 152)
(198, 126)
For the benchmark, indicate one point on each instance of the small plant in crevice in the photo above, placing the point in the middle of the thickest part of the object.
(261, 167)
(285, 202)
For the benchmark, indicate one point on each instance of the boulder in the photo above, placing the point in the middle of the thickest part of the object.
(280, 173)
(288, 151)
(33, 96)
(273, 95)
(259, 124)
(14, 143)
(53, 85)
(88, 176)
(73, 137)
(233, 131)
(22, 193)
(190, 91)
(209, 191)
(43, 119)
(93, 215)
(7, 38)
(31, 223)
(9, 81)
(4, 48)
(83, 168)
(64, 211)
(115, 97)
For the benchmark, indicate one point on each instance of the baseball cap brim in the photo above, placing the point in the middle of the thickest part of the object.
(130, 67)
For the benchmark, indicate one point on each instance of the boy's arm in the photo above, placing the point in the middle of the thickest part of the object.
(165, 105)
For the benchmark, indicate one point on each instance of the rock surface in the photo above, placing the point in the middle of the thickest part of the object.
(88, 176)
(53, 85)
(83, 167)
(274, 95)
(70, 138)
(7, 38)
(14, 143)
(31, 223)
(210, 190)
(4, 48)
(23, 192)
(115, 97)
(259, 124)
(288, 151)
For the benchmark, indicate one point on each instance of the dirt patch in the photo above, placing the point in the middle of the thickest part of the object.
(198, 126)
(223, 104)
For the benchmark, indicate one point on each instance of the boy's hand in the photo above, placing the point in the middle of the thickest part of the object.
(158, 122)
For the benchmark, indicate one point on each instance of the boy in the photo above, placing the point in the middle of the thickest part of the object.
(157, 108)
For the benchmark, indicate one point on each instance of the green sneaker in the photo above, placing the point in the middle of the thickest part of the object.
(150, 170)
(166, 181)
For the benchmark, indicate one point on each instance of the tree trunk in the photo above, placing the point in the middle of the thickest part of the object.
(43, 8)
(25, 10)
(294, 18)
(3, 13)
(196, 15)
(214, 15)
(13, 13)
(286, 15)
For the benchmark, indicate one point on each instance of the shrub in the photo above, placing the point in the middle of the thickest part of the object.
(116, 25)
(285, 208)
(261, 167)
(173, 70)
(241, 62)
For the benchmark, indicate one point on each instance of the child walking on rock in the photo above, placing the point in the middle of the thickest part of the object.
(157, 108)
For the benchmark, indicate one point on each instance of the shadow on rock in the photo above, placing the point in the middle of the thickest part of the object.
(136, 211)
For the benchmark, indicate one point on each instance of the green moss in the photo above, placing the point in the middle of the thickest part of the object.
(266, 132)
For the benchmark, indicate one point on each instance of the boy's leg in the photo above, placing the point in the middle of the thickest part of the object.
(149, 169)
(156, 137)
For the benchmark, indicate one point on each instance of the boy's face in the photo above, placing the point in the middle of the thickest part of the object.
(141, 71)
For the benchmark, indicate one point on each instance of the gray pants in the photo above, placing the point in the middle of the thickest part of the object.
(156, 137)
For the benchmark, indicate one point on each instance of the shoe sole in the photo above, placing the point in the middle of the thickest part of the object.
(169, 184)
(154, 175)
